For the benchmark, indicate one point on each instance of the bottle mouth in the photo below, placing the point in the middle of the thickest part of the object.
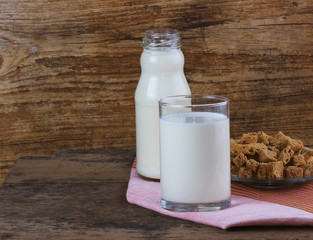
(161, 39)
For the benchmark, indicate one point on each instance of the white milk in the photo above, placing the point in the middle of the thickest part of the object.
(162, 75)
(195, 157)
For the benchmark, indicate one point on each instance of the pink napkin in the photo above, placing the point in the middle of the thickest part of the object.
(243, 211)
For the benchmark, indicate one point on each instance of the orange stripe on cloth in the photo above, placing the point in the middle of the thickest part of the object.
(297, 196)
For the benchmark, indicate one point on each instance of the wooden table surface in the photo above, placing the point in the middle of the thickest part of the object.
(81, 194)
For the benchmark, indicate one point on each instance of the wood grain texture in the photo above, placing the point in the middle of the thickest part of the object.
(69, 69)
(54, 198)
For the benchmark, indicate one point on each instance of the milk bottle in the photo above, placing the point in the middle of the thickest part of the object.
(162, 74)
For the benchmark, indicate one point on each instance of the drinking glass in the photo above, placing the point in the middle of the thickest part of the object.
(195, 153)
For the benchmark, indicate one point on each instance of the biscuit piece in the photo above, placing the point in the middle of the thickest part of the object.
(293, 172)
(234, 169)
(234, 147)
(281, 141)
(273, 148)
(233, 144)
(264, 138)
(285, 155)
(239, 160)
(308, 151)
(262, 171)
(266, 155)
(245, 173)
(248, 138)
(253, 165)
(247, 149)
(275, 170)
(296, 145)
(250, 149)
(298, 160)
(255, 148)
(308, 159)
(308, 172)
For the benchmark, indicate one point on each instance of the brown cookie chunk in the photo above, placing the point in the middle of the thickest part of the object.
(262, 171)
(308, 171)
(264, 138)
(234, 169)
(308, 159)
(308, 151)
(280, 140)
(275, 170)
(266, 155)
(285, 155)
(247, 138)
(247, 149)
(245, 173)
(293, 172)
(298, 161)
(253, 165)
(296, 145)
(239, 160)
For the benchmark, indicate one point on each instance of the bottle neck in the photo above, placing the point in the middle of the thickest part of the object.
(161, 40)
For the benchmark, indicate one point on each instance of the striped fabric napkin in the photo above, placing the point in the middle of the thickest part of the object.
(291, 206)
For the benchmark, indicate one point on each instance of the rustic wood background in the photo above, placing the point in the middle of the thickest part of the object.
(69, 69)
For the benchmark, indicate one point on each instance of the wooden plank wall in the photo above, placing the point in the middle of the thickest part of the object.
(69, 69)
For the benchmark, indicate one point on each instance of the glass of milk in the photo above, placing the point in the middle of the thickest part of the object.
(194, 153)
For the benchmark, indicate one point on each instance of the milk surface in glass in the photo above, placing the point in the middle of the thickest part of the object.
(162, 75)
(195, 158)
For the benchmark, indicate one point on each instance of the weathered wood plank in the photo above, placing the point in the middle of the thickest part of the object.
(69, 69)
(74, 166)
(52, 198)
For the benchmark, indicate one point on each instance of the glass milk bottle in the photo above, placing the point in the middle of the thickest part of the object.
(162, 74)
